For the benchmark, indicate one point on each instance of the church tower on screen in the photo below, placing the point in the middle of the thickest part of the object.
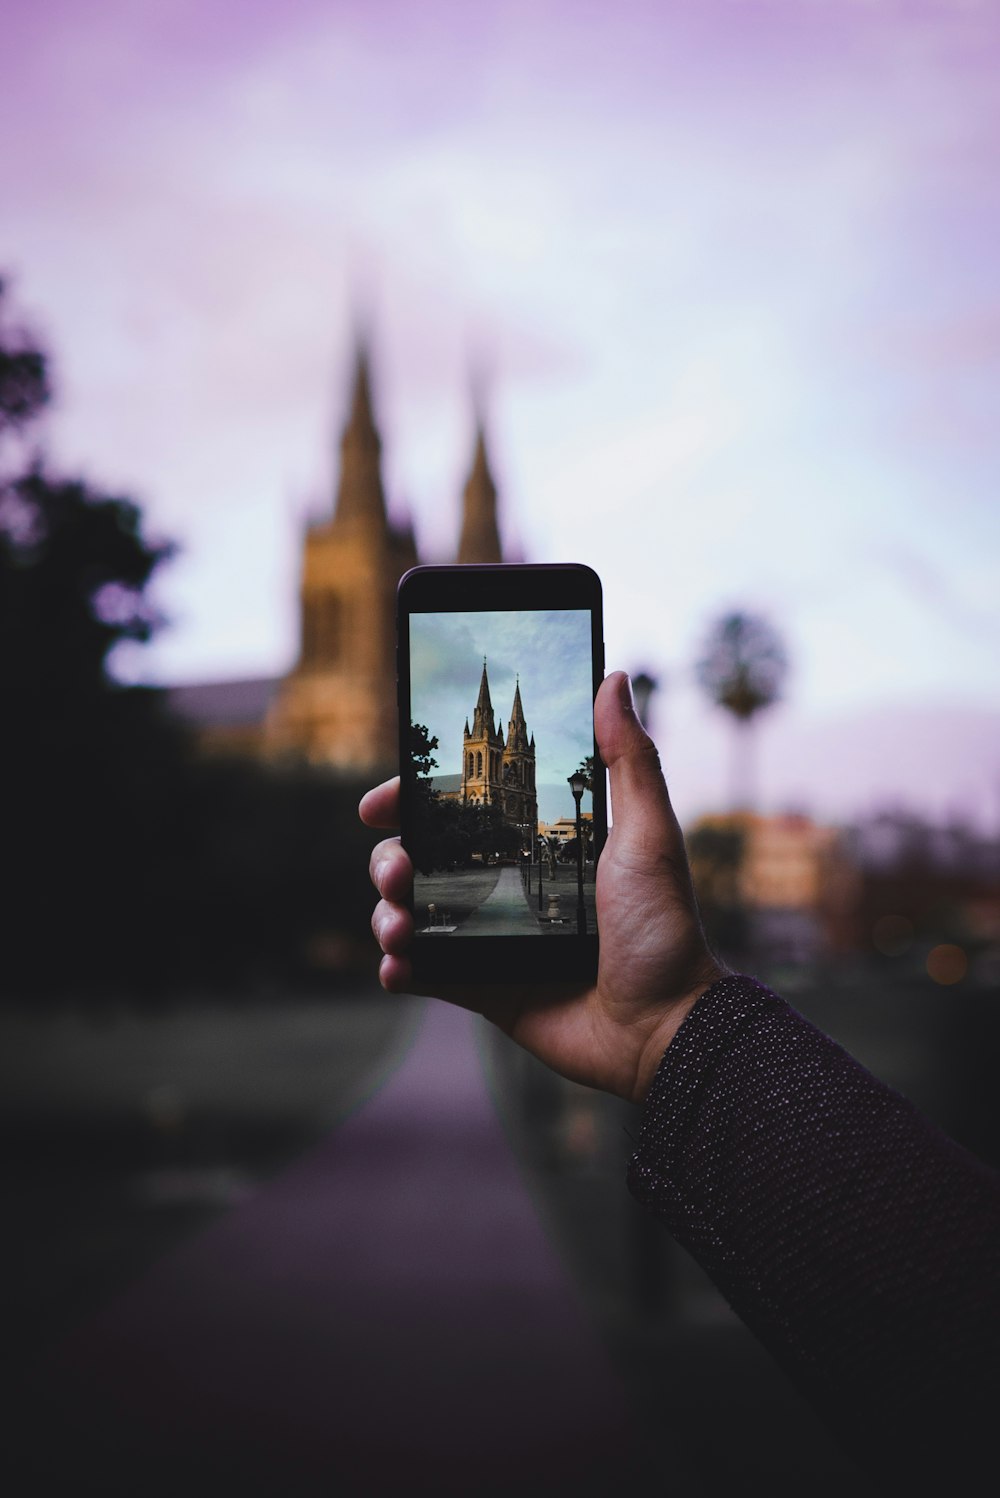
(338, 704)
(519, 798)
(498, 772)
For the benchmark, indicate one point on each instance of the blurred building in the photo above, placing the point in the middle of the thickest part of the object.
(337, 705)
(793, 881)
(895, 885)
(925, 883)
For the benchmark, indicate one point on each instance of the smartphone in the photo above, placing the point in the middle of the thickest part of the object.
(503, 793)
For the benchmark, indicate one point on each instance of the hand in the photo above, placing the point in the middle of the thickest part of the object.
(654, 962)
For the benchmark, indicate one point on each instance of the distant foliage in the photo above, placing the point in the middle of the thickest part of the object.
(138, 869)
(83, 761)
(924, 883)
(445, 833)
(75, 568)
(743, 664)
(25, 388)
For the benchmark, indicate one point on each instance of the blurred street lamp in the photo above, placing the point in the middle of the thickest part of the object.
(578, 784)
(541, 846)
(643, 687)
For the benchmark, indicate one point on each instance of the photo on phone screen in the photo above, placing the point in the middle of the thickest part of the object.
(501, 716)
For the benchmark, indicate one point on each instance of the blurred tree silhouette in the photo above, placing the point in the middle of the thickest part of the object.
(137, 867)
(75, 570)
(24, 377)
(922, 883)
(80, 756)
(742, 669)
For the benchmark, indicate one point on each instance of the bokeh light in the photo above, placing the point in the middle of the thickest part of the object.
(892, 935)
(947, 964)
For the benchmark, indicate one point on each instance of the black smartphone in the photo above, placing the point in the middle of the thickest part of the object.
(503, 793)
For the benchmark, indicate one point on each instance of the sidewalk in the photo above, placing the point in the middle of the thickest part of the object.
(504, 912)
(509, 911)
(386, 1317)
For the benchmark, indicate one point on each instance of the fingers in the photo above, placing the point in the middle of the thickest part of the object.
(391, 871)
(392, 875)
(639, 800)
(380, 806)
(395, 975)
(393, 928)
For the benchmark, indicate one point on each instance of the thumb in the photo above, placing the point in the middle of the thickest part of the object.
(640, 806)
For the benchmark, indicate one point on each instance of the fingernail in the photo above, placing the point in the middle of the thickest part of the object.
(625, 696)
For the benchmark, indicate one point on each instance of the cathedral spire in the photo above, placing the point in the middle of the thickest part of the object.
(359, 492)
(482, 722)
(480, 539)
(362, 422)
(517, 729)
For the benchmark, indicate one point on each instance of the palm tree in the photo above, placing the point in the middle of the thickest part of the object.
(742, 668)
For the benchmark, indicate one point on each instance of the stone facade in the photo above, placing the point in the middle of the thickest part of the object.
(498, 771)
(337, 705)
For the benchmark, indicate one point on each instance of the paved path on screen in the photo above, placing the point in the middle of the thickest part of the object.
(504, 912)
(388, 1316)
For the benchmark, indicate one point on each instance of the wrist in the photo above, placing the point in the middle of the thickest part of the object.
(658, 1040)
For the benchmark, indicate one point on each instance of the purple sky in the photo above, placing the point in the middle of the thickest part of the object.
(727, 271)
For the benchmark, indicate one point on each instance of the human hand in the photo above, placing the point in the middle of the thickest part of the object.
(654, 962)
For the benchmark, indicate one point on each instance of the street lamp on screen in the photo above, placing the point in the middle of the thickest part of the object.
(578, 784)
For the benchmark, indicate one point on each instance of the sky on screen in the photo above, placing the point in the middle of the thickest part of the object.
(548, 653)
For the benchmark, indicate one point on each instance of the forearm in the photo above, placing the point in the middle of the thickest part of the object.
(857, 1241)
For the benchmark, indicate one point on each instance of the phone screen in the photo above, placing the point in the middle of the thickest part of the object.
(499, 775)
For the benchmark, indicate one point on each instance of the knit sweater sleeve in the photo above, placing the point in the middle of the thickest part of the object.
(860, 1244)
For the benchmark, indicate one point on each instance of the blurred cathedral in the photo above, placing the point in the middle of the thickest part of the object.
(337, 705)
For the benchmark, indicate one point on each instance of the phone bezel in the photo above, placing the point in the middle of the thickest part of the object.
(480, 589)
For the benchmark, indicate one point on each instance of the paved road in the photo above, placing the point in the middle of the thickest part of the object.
(504, 912)
(386, 1317)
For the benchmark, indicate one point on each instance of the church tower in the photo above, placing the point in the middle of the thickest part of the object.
(338, 705)
(480, 538)
(520, 801)
(482, 752)
(498, 773)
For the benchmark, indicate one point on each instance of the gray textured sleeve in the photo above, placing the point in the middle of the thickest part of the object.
(858, 1242)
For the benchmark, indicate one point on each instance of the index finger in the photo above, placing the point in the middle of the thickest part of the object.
(379, 807)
